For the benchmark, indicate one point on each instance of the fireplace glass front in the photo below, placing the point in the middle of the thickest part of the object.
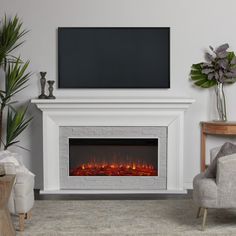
(113, 157)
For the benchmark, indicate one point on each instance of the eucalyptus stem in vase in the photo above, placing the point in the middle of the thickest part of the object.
(219, 69)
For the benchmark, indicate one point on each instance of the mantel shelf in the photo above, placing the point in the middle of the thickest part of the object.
(113, 100)
(70, 103)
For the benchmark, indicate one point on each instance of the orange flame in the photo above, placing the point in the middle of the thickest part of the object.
(114, 169)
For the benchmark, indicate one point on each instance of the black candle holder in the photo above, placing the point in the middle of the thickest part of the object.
(43, 83)
(50, 89)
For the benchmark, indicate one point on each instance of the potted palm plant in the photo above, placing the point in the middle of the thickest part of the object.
(219, 69)
(14, 80)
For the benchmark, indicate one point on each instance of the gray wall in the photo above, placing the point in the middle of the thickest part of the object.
(194, 26)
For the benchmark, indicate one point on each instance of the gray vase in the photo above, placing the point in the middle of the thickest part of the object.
(220, 102)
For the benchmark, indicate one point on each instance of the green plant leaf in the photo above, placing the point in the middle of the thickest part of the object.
(230, 55)
(16, 124)
(10, 34)
(196, 72)
(199, 78)
(197, 66)
(200, 82)
(16, 78)
(205, 83)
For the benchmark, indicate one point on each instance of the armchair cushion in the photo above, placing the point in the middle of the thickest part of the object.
(227, 149)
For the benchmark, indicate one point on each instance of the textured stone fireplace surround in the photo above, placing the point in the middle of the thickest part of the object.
(112, 182)
(113, 112)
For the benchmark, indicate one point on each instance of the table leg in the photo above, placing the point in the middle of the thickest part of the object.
(203, 151)
(6, 226)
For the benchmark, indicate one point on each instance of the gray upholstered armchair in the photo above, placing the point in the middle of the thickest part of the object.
(218, 192)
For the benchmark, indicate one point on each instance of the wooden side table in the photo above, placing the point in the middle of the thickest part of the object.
(6, 226)
(214, 128)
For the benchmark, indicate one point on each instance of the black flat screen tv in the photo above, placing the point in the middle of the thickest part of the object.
(118, 57)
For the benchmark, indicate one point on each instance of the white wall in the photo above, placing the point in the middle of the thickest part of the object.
(194, 26)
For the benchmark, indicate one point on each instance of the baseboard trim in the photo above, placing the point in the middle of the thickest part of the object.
(113, 192)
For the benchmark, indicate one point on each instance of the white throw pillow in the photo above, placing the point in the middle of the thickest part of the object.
(6, 156)
(9, 159)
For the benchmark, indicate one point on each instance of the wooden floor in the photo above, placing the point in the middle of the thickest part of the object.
(112, 196)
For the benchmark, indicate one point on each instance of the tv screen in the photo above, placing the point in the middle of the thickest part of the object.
(114, 57)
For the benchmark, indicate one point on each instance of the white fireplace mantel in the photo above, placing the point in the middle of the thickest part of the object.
(111, 111)
(68, 103)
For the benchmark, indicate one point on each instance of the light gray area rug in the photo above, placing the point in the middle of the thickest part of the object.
(124, 217)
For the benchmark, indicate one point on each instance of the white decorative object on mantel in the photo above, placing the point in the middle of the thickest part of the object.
(111, 111)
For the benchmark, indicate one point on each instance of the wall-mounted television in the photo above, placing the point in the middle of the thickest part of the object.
(117, 57)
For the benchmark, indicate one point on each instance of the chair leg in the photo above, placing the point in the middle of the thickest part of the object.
(29, 215)
(21, 221)
(199, 212)
(204, 219)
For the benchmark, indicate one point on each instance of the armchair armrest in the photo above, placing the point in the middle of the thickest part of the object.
(10, 168)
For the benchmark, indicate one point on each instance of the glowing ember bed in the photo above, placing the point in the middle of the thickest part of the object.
(113, 157)
(114, 170)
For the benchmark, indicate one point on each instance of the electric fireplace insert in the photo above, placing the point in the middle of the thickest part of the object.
(113, 157)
